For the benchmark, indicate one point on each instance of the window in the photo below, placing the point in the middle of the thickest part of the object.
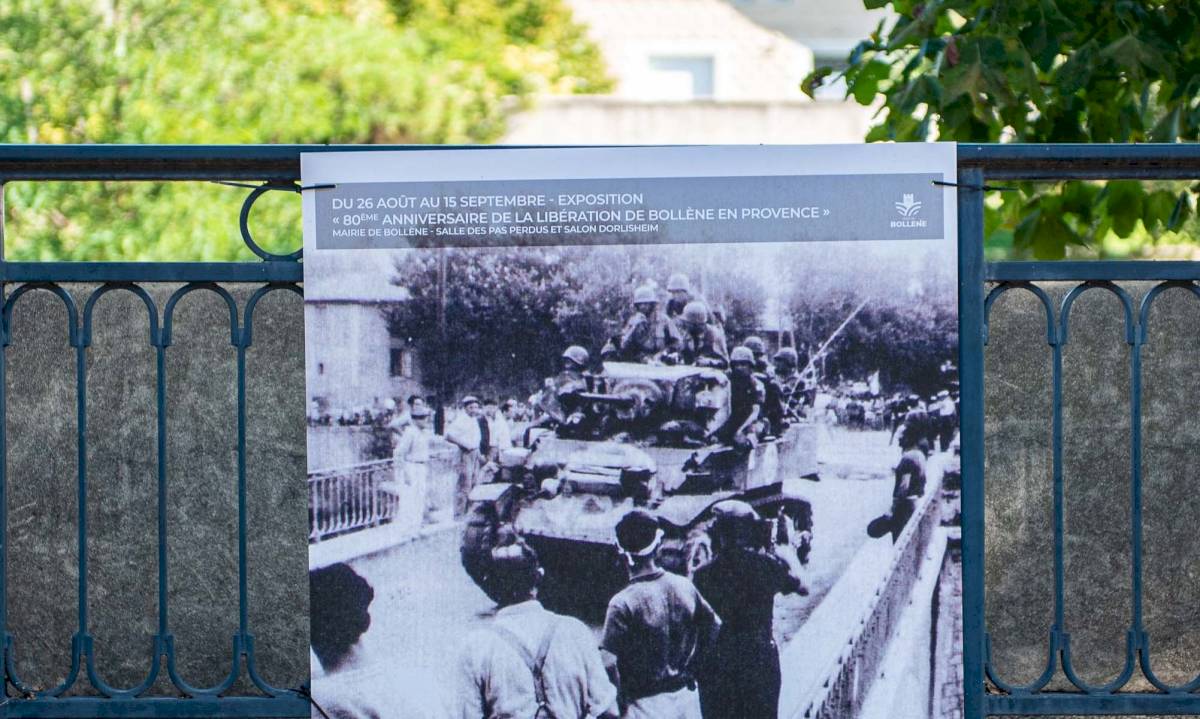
(674, 77)
(401, 362)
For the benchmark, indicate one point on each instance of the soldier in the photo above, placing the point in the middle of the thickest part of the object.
(742, 680)
(791, 384)
(527, 661)
(746, 398)
(703, 345)
(659, 628)
(648, 332)
(553, 402)
(680, 288)
(759, 348)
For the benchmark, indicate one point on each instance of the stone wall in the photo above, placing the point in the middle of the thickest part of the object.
(1096, 466)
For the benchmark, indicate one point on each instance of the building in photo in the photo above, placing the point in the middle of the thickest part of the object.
(364, 365)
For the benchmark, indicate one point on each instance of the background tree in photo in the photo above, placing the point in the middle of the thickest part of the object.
(510, 312)
(254, 71)
(1042, 71)
(906, 323)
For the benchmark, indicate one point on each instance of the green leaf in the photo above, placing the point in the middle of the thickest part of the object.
(1157, 209)
(864, 84)
(815, 79)
(1124, 204)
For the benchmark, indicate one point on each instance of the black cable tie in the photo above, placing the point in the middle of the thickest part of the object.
(303, 691)
(982, 188)
(267, 185)
(235, 184)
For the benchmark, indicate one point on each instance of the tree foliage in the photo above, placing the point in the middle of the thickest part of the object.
(510, 312)
(906, 323)
(254, 71)
(1067, 71)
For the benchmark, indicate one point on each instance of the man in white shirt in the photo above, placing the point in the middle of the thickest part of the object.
(410, 460)
(530, 662)
(466, 433)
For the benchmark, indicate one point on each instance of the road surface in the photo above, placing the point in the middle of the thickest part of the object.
(424, 602)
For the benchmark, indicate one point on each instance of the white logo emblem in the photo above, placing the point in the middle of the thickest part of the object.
(908, 207)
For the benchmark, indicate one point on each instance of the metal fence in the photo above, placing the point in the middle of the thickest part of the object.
(278, 168)
(349, 499)
(981, 284)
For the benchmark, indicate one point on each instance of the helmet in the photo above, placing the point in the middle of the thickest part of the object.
(756, 345)
(695, 312)
(577, 354)
(741, 354)
(645, 293)
(679, 282)
(787, 354)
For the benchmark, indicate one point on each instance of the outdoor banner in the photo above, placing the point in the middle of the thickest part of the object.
(633, 432)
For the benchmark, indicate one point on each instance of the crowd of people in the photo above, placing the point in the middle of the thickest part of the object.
(480, 432)
(671, 647)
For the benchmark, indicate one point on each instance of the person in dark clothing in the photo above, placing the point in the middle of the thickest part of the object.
(742, 680)
(658, 628)
(908, 487)
(746, 399)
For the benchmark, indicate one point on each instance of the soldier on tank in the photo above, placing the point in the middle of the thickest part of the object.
(555, 403)
(680, 288)
(746, 398)
(791, 384)
(759, 348)
(648, 332)
(742, 679)
(702, 344)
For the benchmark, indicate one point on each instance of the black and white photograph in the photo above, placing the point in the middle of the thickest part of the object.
(634, 432)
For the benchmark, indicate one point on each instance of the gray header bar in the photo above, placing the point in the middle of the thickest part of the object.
(494, 213)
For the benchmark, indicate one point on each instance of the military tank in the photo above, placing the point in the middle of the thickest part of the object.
(634, 435)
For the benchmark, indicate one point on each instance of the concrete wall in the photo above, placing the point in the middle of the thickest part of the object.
(602, 120)
(202, 497)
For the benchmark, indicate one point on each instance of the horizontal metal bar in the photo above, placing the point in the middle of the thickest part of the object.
(1083, 162)
(282, 162)
(1061, 703)
(279, 163)
(151, 272)
(1150, 270)
(96, 707)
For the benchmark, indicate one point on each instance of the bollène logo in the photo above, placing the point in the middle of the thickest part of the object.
(908, 208)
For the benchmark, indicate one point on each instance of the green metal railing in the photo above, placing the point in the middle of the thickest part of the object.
(278, 167)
